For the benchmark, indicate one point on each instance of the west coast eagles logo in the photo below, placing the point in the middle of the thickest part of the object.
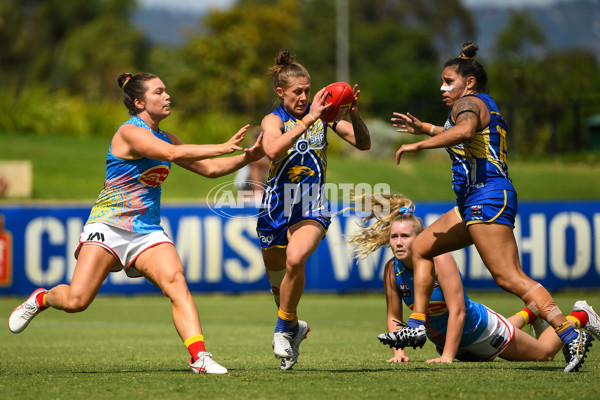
(154, 176)
(298, 172)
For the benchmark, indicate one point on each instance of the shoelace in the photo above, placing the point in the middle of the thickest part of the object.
(400, 323)
(29, 311)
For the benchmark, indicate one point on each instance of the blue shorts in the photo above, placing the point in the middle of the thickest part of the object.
(497, 206)
(277, 237)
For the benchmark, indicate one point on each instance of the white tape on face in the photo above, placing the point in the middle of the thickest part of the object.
(445, 88)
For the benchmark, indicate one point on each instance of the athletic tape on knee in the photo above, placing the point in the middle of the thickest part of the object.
(540, 302)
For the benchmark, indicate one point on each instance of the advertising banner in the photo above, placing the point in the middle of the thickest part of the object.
(559, 246)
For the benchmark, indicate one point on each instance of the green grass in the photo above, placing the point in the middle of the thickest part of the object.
(72, 168)
(126, 347)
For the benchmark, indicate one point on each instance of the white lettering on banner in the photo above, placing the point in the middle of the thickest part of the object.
(477, 269)
(558, 250)
(214, 249)
(597, 241)
(534, 245)
(342, 254)
(338, 252)
(189, 246)
(34, 268)
(568, 243)
(246, 249)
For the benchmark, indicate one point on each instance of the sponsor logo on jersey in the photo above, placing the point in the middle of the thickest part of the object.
(154, 176)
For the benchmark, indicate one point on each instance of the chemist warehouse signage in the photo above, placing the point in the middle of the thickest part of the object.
(559, 246)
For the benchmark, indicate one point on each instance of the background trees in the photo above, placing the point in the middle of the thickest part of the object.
(59, 61)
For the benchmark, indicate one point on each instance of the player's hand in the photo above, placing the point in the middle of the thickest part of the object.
(406, 148)
(356, 92)
(407, 123)
(399, 358)
(233, 144)
(318, 106)
(256, 151)
(441, 359)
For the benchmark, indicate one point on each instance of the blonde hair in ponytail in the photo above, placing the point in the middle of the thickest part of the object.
(374, 231)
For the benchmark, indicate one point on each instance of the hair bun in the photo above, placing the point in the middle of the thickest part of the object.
(123, 78)
(284, 57)
(469, 50)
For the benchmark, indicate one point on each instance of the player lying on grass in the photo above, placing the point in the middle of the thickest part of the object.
(459, 327)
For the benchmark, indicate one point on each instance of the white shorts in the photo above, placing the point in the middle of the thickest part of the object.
(498, 333)
(126, 246)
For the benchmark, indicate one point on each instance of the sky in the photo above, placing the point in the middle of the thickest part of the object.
(201, 6)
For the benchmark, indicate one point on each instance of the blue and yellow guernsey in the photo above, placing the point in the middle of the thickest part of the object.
(476, 316)
(130, 199)
(480, 163)
(295, 183)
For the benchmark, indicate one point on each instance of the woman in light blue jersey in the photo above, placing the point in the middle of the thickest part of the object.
(475, 137)
(295, 212)
(123, 230)
(459, 327)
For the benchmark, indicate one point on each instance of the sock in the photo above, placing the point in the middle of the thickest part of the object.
(566, 332)
(580, 318)
(284, 321)
(527, 315)
(195, 344)
(416, 320)
(40, 299)
(294, 326)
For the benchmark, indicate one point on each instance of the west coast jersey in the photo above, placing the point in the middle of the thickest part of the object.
(130, 199)
(295, 182)
(479, 164)
(476, 316)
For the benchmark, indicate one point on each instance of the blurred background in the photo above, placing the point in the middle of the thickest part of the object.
(60, 59)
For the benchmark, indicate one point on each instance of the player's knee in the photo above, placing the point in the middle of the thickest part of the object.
(76, 304)
(295, 260)
(175, 286)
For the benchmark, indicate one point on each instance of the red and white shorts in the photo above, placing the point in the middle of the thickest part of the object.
(126, 246)
(498, 333)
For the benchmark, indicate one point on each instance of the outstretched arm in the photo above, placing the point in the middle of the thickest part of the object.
(408, 123)
(217, 167)
(467, 112)
(132, 142)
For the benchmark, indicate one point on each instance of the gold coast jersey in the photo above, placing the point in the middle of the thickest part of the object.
(130, 199)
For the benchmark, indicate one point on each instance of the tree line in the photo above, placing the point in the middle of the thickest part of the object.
(60, 60)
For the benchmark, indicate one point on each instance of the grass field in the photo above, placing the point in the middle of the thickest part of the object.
(72, 168)
(126, 348)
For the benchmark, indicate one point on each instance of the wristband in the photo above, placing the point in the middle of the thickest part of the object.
(302, 123)
(431, 129)
(311, 117)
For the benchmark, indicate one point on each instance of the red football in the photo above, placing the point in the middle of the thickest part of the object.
(340, 95)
